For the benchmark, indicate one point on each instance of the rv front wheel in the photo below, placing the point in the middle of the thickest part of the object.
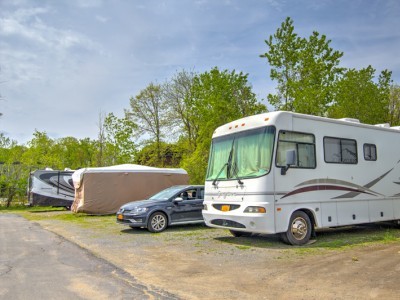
(300, 228)
(157, 222)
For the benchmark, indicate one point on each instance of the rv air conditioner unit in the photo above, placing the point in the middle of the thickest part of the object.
(385, 125)
(350, 120)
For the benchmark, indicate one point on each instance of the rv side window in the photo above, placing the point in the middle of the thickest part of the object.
(342, 151)
(302, 143)
(369, 152)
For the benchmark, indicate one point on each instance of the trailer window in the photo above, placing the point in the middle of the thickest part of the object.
(369, 152)
(342, 151)
(302, 143)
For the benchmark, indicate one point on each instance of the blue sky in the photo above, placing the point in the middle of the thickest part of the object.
(63, 62)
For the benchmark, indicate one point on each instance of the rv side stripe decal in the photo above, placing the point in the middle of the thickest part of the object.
(324, 188)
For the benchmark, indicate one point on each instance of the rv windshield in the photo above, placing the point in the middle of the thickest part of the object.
(242, 155)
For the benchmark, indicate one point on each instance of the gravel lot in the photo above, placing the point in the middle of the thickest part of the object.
(196, 262)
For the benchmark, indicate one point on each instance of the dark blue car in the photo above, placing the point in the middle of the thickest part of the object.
(180, 204)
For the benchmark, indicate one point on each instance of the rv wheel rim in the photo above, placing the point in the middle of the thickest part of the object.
(158, 222)
(299, 228)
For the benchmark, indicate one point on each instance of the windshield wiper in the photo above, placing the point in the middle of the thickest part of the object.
(227, 164)
(235, 173)
(219, 173)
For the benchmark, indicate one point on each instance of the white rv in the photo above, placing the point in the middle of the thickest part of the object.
(290, 173)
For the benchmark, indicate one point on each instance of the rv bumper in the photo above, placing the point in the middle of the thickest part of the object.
(249, 222)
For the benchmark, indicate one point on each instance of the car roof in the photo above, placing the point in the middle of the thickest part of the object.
(188, 186)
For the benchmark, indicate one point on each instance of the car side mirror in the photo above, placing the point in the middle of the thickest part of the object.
(177, 199)
(290, 161)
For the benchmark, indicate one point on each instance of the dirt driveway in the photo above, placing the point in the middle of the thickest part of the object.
(196, 262)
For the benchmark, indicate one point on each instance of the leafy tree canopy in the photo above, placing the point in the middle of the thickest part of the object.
(358, 96)
(305, 70)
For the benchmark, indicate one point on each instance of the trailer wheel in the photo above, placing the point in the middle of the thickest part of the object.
(157, 222)
(299, 231)
(240, 233)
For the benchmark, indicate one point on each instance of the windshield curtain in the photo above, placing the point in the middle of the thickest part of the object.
(220, 150)
(247, 154)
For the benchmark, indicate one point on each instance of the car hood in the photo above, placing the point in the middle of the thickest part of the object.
(142, 203)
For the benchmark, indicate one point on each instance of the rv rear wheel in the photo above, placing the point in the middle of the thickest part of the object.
(240, 233)
(157, 222)
(299, 231)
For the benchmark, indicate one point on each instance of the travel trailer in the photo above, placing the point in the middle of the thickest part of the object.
(104, 190)
(290, 173)
(51, 188)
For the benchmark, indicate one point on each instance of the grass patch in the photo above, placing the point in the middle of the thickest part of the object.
(243, 247)
(343, 238)
(44, 213)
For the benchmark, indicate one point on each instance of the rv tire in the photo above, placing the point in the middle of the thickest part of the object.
(157, 222)
(284, 238)
(240, 233)
(300, 229)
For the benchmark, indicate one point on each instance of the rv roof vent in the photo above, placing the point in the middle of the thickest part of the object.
(385, 125)
(350, 120)
(396, 127)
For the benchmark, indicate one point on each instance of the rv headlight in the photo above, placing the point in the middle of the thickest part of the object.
(138, 210)
(255, 209)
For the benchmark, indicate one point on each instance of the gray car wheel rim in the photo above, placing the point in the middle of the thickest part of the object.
(158, 222)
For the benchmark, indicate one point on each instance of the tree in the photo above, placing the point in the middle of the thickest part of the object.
(284, 58)
(305, 70)
(119, 137)
(13, 174)
(179, 99)
(394, 105)
(358, 96)
(171, 155)
(148, 111)
(40, 152)
(87, 153)
(74, 153)
(101, 140)
(218, 97)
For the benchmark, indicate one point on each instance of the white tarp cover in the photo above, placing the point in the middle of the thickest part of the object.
(104, 190)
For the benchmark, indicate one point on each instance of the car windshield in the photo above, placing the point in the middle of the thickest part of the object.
(167, 193)
(242, 155)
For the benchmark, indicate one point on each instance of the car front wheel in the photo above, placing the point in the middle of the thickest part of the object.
(157, 222)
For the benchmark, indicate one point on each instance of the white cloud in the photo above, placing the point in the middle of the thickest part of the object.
(28, 25)
(101, 19)
(88, 3)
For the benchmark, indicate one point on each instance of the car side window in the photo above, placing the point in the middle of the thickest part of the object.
(189, 194)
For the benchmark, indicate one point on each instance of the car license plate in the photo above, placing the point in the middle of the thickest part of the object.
(225, 207)
(120, 217)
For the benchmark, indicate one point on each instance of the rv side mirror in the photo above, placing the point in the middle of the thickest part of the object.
(290, 161)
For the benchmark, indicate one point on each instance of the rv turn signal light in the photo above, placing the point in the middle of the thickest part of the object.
(255, 209)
